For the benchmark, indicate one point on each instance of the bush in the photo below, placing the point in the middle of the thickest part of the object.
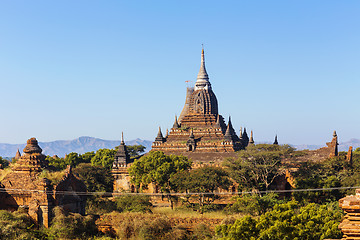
(17, 225)
(155, 229)
(202, 231)
(98, 205)
(71, 226)
(253, 204)
(133, 203)
(287, 221)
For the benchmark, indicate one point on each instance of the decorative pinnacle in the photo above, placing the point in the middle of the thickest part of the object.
(251, 141)
(240, 133)
(202, 81)
(334, 135)
(160, 133)
(122, 138)
(176, 123)
(202, 72)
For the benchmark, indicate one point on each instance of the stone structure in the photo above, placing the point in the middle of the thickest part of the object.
(120, 168)
(200, 128)
(350, 226)
(24, 187)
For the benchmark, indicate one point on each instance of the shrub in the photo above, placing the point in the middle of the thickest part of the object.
(71, 226)
(253, 204)
(133, 203)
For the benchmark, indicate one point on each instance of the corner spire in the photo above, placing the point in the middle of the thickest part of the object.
(176, 123)
(159, 137)
(202, 81)
(228, 133)
(251, 141)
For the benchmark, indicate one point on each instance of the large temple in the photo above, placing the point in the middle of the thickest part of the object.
(200, 129)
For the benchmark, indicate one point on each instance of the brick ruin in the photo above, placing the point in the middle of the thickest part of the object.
(23, 187)
(350, 226)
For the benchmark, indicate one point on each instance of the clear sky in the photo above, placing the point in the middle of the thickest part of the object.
(96, 68)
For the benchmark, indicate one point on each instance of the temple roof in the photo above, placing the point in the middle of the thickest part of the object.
(202, 81)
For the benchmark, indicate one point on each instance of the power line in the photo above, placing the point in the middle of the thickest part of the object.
(172, 194)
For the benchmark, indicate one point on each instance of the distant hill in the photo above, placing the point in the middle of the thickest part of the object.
(88, 144)
(79, 145)
(343, 146)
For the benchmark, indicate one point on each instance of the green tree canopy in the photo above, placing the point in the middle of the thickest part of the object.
(203, 181)
(135, 150)
(96, 178)
(103, 157)
(4, 163)
(287, 221)
(258, 166)
(157, 168)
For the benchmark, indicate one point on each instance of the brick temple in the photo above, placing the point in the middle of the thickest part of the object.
(200, 129)
(24, 187)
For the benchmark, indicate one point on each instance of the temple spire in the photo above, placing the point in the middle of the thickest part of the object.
(251, 141)
(276, 141)
(159, 137)
(228, 135)
(17, 155)
(122, 139)
(240, 133)
(176, 123)
(202, 81)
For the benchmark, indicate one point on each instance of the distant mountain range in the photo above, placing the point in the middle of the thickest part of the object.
(88, 144)
(344, 146)
(79, 145)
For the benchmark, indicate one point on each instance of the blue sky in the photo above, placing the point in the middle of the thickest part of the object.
(96, 68)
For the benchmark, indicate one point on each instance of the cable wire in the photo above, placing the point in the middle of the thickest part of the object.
(172, 194)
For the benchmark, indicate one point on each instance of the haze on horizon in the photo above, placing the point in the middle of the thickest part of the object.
(88, 68)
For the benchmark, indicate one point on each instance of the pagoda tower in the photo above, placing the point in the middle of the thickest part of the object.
(200, 128)
(120, 168)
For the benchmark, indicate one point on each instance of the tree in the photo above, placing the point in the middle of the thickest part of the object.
(135, 150)
(4, 163)
(96, 178)
(158, 168)
(133, 203)
(203, 181)
(253, 204)
(103, 157)
(258, 166)
(86, 157)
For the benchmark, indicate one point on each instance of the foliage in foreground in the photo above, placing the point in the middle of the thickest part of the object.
(125, 203)
(154, 226)
(71, 226)
(17, 225)
(254, 204)
(133, 203)
(287, 222)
